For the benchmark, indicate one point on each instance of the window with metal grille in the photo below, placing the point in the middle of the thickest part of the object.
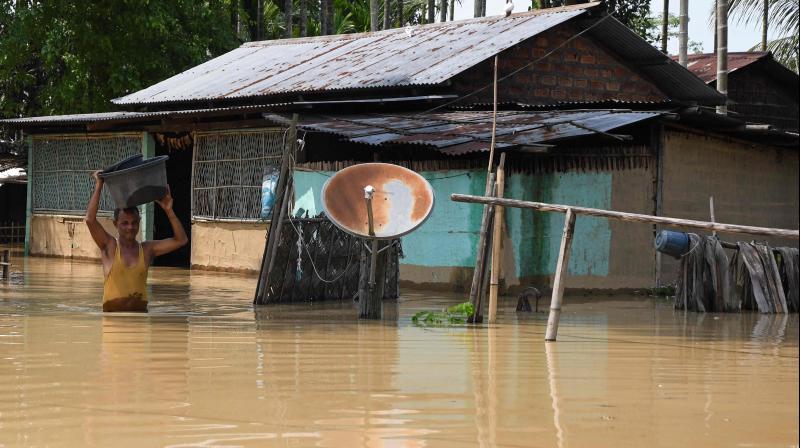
(228, 170)
(62, 169)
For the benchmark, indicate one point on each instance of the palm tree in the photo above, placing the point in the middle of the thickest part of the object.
(373, 15)
(783, 15)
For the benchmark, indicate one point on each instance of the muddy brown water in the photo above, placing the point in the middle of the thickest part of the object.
(204, 368)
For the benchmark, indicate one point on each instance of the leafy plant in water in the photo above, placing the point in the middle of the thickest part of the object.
(454, 315)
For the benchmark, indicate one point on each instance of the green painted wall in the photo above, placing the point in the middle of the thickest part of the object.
(536, 236)
(449, 236)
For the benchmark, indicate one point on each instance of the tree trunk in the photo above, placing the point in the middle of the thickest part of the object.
(260, 20)
(764, 25)
(387, 14)
(665, 27)
(329, 18)
(722, 53)
(287, 17)
(452, 9)
(683, 34)
(322, 24)
(400, 22)
(234, 8)
(443, 10)
(303, 18)
(432, 11)
(373, 15)
(477, 9)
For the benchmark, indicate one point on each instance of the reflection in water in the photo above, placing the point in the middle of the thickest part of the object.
(550, 349)
(204, 368)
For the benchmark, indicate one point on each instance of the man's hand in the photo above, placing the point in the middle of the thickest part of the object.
(166, 201)
(97, 179)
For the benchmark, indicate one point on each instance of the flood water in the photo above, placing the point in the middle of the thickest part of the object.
(204, 368)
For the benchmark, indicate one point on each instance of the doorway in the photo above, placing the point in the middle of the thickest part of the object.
(179, 148)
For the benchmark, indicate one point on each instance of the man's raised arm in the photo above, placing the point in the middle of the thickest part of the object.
(179, 239)
(99, 234)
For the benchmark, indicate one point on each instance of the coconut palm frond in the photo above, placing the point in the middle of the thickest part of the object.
(783, 17)
(784, 50)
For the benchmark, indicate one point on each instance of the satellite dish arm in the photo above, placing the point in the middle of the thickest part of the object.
(369, 190)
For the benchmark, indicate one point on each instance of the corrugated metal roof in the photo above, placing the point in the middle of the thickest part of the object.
(456, 133)
(428, 54)
(132, 117)
(672, 78)
(121, 116)
(705, 65)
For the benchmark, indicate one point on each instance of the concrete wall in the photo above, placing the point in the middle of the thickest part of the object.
(752, 185)
(228, 246)
(65, 236)
(605, 255)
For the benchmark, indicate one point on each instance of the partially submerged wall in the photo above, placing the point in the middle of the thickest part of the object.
(228, 246)
(752, 184)
(605, 254)
(65, 236)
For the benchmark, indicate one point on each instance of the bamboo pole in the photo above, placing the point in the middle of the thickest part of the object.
(496, 242)
(629, 217)
(478, 278)
(561, 273)
(711, 212)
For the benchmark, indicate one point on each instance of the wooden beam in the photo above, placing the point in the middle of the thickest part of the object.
(628, 217)
(561, 273)
(497, 236)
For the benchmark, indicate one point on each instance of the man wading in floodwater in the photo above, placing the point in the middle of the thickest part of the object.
(125, 261)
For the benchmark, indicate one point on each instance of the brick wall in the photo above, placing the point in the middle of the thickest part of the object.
(578, 71)
(759, 98)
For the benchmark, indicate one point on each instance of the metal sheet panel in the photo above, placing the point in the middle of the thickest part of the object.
(675, 81)
(456, 133)
(704, 65)
(428, 54)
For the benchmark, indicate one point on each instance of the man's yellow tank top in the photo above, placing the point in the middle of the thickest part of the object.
(125, 287)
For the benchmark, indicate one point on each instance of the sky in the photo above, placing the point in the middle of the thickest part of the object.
(740, 37)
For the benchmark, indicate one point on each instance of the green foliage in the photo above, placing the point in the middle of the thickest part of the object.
(783, 19)
(454, 315)
(654, 23)
(75, 56)
(633, 13)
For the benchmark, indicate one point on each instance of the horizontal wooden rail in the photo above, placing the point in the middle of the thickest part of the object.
(630, 217)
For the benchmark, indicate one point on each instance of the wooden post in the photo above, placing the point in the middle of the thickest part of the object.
(279, 209)
(29, 172)
(627, 217)
(561, 273)
(497, 236)
(711, 210)
(475, 290)
(6, 264)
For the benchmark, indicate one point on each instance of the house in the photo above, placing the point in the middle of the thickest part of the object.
(760, 89)
(591, 114)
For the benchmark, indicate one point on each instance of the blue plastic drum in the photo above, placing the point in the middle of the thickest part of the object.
(672, 243)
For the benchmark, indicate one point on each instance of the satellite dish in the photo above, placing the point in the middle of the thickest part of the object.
(401, 200)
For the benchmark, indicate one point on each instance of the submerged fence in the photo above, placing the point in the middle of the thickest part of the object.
(12, 233)
(317, 261)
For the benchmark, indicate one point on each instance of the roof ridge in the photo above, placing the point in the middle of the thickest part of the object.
(454, 23)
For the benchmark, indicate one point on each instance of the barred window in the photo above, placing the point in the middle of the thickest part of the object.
(228, 170)
(62, 169)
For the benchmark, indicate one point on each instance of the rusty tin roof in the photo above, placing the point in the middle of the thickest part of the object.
(457, 133)
(419, 55)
